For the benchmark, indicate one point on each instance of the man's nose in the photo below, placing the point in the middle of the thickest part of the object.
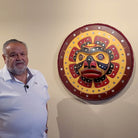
(18, 57)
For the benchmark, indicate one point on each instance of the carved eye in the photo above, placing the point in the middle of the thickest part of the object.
(80, 57)
(100, 56)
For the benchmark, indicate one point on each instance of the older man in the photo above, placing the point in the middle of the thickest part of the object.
(23, 95)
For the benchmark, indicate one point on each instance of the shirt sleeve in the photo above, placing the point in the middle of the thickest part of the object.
(44, 135)
(46, 92)
(45, 86)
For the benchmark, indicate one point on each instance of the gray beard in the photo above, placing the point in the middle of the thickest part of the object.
(16, 71)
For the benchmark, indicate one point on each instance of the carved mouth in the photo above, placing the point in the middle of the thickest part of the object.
(91, 73)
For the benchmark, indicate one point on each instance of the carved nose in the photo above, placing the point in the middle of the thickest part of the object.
(89, 62)
(85, 64)
(93, 64)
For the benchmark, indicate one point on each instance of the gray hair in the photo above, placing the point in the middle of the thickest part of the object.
(11, 41)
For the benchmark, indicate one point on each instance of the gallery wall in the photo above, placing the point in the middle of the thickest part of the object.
(44, 25)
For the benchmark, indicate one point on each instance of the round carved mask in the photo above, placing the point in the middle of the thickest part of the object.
(95, 62)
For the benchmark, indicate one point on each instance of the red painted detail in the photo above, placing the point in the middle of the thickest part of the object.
(72, 53)
(85, 63)
(72, 71)
(115, 52)
(85, 84)
(91, 73)
(101, 83)
(84, 41)
(115, 70)
(102, 40)
(93, 64)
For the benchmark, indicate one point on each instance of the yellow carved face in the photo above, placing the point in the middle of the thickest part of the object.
(92, 64)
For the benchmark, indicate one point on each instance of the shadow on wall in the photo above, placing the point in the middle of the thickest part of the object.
(120, 120)
(77, 120)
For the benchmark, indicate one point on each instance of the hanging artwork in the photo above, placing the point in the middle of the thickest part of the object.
(95, 62)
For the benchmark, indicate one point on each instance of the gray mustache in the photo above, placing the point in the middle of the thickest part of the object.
(19, 62)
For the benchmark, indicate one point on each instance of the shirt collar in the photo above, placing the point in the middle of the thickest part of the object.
(6, 74)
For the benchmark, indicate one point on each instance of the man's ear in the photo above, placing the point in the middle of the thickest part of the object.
(4, 57)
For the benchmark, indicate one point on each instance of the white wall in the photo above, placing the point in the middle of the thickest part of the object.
(43, 25)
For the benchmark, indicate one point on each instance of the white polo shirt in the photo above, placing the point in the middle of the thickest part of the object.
(23, 111)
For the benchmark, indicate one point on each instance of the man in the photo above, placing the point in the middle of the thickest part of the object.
(23, 95)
